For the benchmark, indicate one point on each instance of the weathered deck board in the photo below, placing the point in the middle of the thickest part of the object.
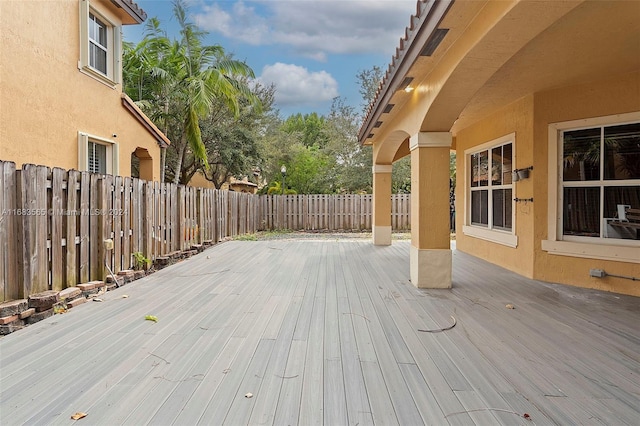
(325, 332)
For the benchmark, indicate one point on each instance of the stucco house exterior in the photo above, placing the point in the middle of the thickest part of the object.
(61, 89)
(547, 88)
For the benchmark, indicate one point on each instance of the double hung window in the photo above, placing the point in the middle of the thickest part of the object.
(98, 44)
(600, 185)
(490, 192)
(491, 187)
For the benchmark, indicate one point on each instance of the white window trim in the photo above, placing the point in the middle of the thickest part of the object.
(556, 243)
(113, 162)
(114, 46)
(504, 237)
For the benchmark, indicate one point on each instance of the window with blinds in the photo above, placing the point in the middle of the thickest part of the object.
(97, 161)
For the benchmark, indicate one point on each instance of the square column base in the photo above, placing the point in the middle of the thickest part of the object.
(430, 268)
(381, 235)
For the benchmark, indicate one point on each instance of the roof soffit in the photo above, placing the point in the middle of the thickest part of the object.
(127, 10)
(428, 15)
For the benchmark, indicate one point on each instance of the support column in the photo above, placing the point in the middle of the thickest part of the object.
(382, 204)
(430, 257)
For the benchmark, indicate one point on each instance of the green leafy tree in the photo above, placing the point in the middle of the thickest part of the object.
(306, 173)
(352, 162)
(369, 82)
(233, 142)
(401, 176)
(309, 127)
(186, 78)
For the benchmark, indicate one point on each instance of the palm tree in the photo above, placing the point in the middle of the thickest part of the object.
(204, 74)
(178, 83)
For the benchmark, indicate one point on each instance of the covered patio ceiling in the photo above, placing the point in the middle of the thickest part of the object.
(493, 54)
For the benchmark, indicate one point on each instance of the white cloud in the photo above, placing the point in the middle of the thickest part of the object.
(241, 22)
(313, 28)
(296, 85)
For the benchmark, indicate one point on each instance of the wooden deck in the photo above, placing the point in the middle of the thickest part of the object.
(326, 332)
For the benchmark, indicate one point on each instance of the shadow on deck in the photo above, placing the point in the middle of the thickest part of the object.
(326, 332)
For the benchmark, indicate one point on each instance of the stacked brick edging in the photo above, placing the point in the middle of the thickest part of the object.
(176, 256)
(17, 314)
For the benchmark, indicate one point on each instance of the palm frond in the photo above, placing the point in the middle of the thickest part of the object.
(194, 137)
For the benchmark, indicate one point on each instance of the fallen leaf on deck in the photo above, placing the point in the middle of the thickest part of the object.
(97, 300)
(248, 395)
(124, 296)
(510, 306)
(78, 415)
(151, 318)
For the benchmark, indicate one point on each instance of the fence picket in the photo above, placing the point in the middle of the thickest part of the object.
(9, 266)
(58, 192)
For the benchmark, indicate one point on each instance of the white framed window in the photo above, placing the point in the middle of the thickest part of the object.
(594, 188)
(97, 155)
(100, 45)
(490, 213)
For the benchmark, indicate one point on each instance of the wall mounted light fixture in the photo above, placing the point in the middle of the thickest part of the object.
(520, 174)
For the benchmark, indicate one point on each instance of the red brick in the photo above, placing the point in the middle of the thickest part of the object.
(39, 316)
(46, 299)
(13, 307)
(11, 327)
(111, 279)
(70, 293)
(87, 286)
(76, 302)
(7, 320)
(27, 313)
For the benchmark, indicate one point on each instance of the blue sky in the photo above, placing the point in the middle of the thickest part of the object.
(310, 49)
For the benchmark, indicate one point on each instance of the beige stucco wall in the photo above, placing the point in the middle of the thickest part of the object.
(515, 118)
(45, 99)
(199, 181)
(620, 94)
(529, 118)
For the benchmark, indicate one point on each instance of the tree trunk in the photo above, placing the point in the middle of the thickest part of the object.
(181, 150)
(163, 160)
(163, 152)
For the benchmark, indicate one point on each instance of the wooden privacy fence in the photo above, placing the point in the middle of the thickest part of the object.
(53, 224)
(329, 212)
